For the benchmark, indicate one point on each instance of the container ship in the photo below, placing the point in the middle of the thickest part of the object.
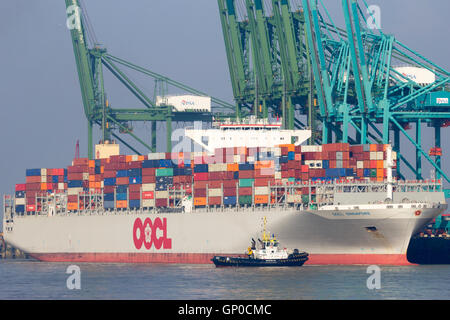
(340, 203)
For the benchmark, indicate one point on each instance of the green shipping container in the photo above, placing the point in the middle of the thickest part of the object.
(166, 172)
(373, 173)
(246, 183)
(305, 198)
(245, 200)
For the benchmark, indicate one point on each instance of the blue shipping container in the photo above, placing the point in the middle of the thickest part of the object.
(150, 164)
(33, 172)
(200, 168)
(246, 166)
(74, 183)
(135, 203)
(20, 194)
(291, 155)
(108, 204)
(20, 208)
(164, 163)
(122, 173)
(109, 181)
(135, 180)
(108, 197)
(325, 164)
(121, 196)
(122, 189)
(231, 200)
(135, 172)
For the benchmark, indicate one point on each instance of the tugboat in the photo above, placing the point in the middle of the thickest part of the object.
(269, 255)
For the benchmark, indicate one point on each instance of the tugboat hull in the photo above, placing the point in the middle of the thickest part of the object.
(294, 260)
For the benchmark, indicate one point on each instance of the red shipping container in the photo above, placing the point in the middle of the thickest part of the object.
(74, 176)
(31, 208)
(21, 187)
(291, 173)
(201, 184)
(81, 162)
(148, 171)
(109, 174)
(373, 164)
(305, 176)
(161, 202)
(148, 195)
(202, 176)
(109, 189)
(264, 173)
(135, 187)
(230, 183)
(284, 174)
(215, 175)
(215, 201)
(72, 198)
(32, 187)
(122, 181)
(134, 195)
(30, 200)
(215, 184)
(135, 164)
(246, 174)
(33, 179)
(304, 168)
(199, 192)
(229, 192)
(360, 172)
(246, 191)
(148, 179)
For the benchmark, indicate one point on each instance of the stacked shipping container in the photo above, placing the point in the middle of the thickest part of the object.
(231, 176)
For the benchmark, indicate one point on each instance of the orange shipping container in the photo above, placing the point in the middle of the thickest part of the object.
(91, 178)
(264, 164)
(200, 201)
(121, 203)
(91, 163)
(72, 206)
(128, 158)
(44, 186)
(233, 167)
(373, 147)
(380, 173)
(261, 199)
(380, 164)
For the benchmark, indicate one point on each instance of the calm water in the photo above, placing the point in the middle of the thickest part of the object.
(39, 280)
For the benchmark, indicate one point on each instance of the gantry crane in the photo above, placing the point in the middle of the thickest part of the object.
(91, 61)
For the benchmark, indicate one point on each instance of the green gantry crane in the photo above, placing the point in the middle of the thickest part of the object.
(91, 59)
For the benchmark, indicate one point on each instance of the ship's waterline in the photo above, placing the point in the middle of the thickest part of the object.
(369, 236)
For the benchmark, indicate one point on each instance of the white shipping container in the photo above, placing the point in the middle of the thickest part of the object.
(156, 156)
(148, 187)
(261, 191)
(380, 155)
(161, 194)
(20, 201)
(61, 185)
(134, 157)
(373, 155)
(85, 175)
(214, 192)
(237, 158)
(147, 203)
(277, 152)
(360, 164)
(74, 191)
(277, 175)
(294, 198)
(43, 179)
(43, 172)
(183, 103)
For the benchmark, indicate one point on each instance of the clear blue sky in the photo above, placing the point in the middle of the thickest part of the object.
(41, 109)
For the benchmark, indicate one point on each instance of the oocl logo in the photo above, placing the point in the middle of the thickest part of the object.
(147, 234)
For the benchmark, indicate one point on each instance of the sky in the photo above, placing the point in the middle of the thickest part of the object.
(40, 101)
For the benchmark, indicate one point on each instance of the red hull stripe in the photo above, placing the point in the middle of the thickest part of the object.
(205, 258)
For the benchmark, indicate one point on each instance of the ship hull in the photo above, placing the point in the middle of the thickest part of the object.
(372, 236)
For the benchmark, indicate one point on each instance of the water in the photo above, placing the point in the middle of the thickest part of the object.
(39, 280)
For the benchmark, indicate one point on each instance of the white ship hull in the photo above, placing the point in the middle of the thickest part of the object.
(372, 235)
